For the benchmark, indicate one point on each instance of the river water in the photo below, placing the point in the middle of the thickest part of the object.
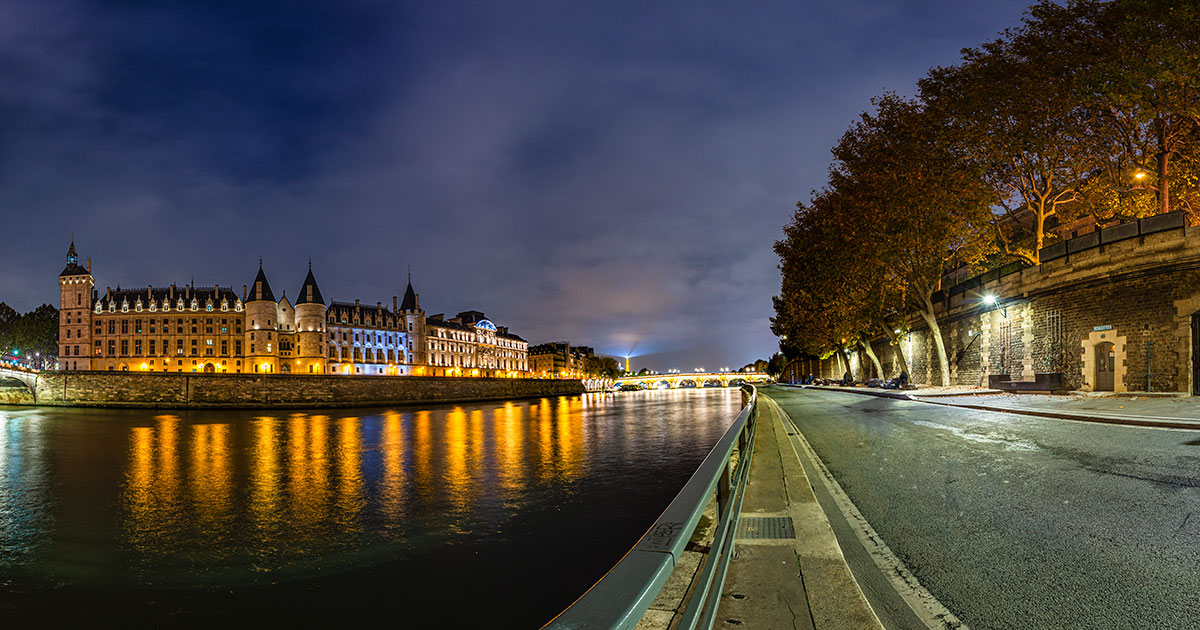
(487, 515)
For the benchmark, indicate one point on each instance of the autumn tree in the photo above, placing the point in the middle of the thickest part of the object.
(919, 204)
(1005, 111)
(1140, 79)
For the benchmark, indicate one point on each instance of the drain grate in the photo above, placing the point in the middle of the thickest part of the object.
(765, 527)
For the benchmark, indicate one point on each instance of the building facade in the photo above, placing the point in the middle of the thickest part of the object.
(216, 330)
(559, 358)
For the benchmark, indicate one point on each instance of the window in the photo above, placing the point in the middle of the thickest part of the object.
(237, 347)
(124, 346)
(151, 346)
(178, 346)
(137, 347)
(137, 325)
(124, 326)
(208, 342)
(112, 347)
(68, 333)
(224, 347)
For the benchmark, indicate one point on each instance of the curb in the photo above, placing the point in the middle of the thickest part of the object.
(1127, 421)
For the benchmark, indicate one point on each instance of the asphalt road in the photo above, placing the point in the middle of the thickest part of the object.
(1021, 522)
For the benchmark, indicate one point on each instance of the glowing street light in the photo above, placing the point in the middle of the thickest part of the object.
(990, 300)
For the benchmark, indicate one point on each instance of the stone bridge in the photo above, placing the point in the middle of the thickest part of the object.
(17, 387)
(694, 379)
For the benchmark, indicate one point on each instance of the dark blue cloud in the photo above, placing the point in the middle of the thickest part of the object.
(609, 173)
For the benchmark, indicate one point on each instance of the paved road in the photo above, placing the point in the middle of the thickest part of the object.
(1021, 522)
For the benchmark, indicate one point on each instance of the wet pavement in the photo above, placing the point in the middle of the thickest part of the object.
(1018, 521)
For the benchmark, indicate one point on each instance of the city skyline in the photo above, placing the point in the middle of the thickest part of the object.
(612, 176)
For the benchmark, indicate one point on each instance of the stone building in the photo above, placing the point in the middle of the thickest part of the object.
(216, 330)
(1115, 309)
(558, 358)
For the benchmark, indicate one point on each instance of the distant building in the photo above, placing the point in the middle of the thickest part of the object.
(559, 358)
(213, 329)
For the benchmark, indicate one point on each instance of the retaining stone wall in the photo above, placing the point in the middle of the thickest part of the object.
(126, 389)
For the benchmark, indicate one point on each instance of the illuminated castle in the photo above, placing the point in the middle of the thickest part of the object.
(215, 330)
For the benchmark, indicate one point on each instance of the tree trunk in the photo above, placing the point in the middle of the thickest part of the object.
(1164, 192)
(931, 320)
(841, 363)
(899, 352)
(866, 346)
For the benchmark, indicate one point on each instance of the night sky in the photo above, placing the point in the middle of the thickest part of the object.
(611, 173)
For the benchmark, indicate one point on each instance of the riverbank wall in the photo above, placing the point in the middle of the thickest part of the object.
(1114, 310)
(249, 391)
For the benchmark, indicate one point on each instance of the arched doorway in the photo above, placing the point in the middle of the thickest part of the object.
(209, 369)
(284, 368)
(1105, 367)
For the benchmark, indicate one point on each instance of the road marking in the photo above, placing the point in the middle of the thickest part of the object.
(923, 604)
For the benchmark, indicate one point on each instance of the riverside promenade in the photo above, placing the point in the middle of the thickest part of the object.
(789, 571)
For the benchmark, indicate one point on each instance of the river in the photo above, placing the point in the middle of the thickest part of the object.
(488, 515)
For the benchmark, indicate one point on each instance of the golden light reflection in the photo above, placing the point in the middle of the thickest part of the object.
(391, 446)
(423, 446)
(264, 477)
(509, 425)
(456, 479)
(210, 486)
(350, 483)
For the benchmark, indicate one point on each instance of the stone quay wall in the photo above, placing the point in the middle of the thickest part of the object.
(1139, 293)
(241, 391)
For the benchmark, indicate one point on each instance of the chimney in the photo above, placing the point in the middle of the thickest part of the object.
(149, 295)
(394, 304)
(417, 300)
(379, 305)
(355, 303)
(108, 293)
(172, 290)
(89, 265)
(243, 293)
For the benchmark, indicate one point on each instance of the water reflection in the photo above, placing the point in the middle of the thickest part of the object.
(238, 498)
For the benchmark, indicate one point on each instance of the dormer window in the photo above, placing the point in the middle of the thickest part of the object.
(237, 306)
(224, 305)
(195, 304)
(208, 306)
(138, 307)
(153, 306)
(124, 306)
(97, 306)
(179, 304)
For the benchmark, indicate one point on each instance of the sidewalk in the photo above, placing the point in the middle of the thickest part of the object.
(789, 571)
(1131, 408)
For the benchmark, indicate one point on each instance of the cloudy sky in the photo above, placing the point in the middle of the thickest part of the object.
(612, 173)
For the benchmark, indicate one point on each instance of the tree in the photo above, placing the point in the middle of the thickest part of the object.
(601, 367)
(776, 365)
(1007, 114)
(1141, 82)
(921, 204)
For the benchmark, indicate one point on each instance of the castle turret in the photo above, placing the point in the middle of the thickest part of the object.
(75, 285)
(414, 320)
(310, 326)
(262, 327)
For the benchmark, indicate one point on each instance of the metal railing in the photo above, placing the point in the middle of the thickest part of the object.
(624, 594)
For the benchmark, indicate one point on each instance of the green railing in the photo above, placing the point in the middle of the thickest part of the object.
(624, 594)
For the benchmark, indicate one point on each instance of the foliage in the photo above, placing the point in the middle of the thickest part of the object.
(1087, 109)
(601, 367)
(32, 332)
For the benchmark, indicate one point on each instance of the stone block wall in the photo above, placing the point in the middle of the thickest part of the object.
(167, 390)
(1138, 293)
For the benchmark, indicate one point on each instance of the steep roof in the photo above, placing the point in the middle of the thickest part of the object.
(410, 299)
(260, 289)
(73, 268)
(310, 293)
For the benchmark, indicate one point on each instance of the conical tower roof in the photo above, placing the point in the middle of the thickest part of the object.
(73, 268)
(261, 289)
(310, 293)
(410, 299)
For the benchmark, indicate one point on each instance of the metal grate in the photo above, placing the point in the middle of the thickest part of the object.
(766, 527)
